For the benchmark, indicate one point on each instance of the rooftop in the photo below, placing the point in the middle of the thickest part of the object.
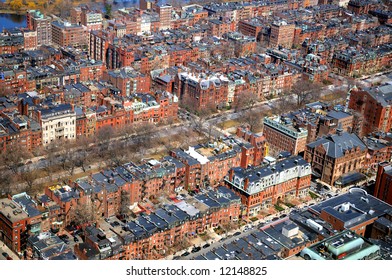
(353, 208)
(12, 211)
(346, 245)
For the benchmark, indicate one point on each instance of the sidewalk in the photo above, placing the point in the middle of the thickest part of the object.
(4, 248)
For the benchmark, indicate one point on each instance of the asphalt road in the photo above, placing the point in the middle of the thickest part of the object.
(219, 243)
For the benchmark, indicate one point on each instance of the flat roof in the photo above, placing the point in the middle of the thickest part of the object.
(12, 211)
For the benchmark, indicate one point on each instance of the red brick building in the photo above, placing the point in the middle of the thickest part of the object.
(383, 188)
(282, 34)
(374, 107)
(128, 81)
(262, 187)
(202, 91)
(258, 141)
(18, 131)
(67, 34)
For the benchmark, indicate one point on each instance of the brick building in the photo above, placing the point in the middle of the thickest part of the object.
(383, 188)
(67, 34)
(42, 25)
(13, 225)
(202, 91)
(151, 235)
(283, 136)
(336, 155)
(355, 210)
(256, 140)
(262, 187)
(18, 131)
(128, 81)
(19, 217)
(282, 34)
(251, 27)
(374, 106)
(11, 43)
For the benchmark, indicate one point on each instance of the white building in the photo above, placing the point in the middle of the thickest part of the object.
(57, 122)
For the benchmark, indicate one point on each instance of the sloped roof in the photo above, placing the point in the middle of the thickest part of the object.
(335, 145)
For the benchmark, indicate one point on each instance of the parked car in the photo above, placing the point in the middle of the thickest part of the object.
(76, 239)
(196, 249)
(63, 236)
(206, 245)
(5, 255)
(185, 254)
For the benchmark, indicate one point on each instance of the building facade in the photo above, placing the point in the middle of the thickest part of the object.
(335, 155)
(262, 187)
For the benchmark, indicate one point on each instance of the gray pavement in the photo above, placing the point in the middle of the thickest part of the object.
(5, 249)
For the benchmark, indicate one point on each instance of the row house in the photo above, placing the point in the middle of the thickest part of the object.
(119, 113)
(57, 122)
(206, 164)
(262, 187)
(19, 131)
(48, 246)
(202, 91)
(150, 236)
(256, 140)
(379, 149)
(180, 54)
(355, 62)
(128, 81)
(86, 122)
(66, 199)
(85, 94)
(243, 45)
(11, 43)
(13, 81)
(91, 70)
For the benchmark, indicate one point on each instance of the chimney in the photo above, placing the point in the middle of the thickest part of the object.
(231, 174)
(339, 130)
(246, 183)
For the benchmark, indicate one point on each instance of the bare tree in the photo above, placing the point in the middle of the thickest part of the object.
(29, 178)
(284, 103)
(102, 140)
(117, 153)
(252, 118)
(50, 159)
(84, 213)
(245, 100)
(125, 203)
(6, 181)
(14, 157)
(82, 156)
(305, 91)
